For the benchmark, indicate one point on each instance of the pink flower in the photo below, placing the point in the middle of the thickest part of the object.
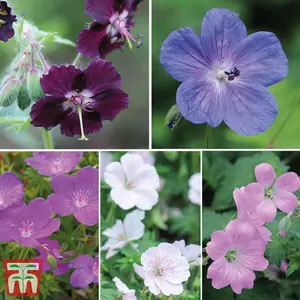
(275, 193)
(236, 256)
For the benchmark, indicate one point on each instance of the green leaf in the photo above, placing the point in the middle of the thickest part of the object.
(242, 173)
(292, 267)
(275, 251)
(23, 98)
(54, 37)
(213, 221)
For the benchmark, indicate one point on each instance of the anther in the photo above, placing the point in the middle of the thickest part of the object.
(3, 12)
(233, 74)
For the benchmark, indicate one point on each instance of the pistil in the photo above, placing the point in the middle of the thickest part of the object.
(83, 137)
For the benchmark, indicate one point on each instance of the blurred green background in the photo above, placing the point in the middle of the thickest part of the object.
(67, 18)
(278, 16)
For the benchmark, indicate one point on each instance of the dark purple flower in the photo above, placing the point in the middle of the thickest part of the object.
(111, 29)
(52, 247)
(27, 224)
(11, 190)
(79, 100)
(7, 18)
(87, 271)
(78, 195)
(54, 163)
(225, 73)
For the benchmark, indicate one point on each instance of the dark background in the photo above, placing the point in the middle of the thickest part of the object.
(278, 16)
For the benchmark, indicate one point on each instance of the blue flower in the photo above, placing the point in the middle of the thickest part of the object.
(225, 73)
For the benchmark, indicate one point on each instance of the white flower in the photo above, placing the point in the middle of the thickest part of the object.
(122, 288)
(105, 159)
(133, 182)
(147, 156)
(191, 252)
(163, 269)
(195, 188)
(122, 233)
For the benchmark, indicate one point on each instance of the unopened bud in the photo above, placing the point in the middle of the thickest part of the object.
(52, 261)
(9, 93)
(34, 89)
(173, 117)
(284, 226)
(23, 98)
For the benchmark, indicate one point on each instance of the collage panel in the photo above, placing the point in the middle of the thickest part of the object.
(250, 229)
(69, 76)
(150, 225)
(49, 215)
(225, 74)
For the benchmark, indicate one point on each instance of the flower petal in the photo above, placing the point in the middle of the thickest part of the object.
(289, 182)
(88, 215)
(261, 59)
(48, 112)
(62, 205)
(100, 10)
(59, 80)
(114, 175)
(250, 108)
(123, 197)
(145, 199)
(181, 55)
(131, 164)
(225, 29)
(267, 210)
(52, 226)
(101, 76)
(110, 103)
(285, 201)
(81, 278)
(199, 101)
(265, 174)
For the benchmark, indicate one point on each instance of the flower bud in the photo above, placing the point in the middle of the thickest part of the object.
(9, 93)
(23, 98)
(284, 225)
(173, 117)
(52, 261)
(34, 89)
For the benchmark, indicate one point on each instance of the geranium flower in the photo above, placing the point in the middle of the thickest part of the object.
(111, 29)
(191, 252)
(7, 18)
(236, 256)
(195, 188)
(53, 163)
(147, 156)
(133, 182)
(273, 272)
(78, 195)
(125, 232)
(87, 271)
(26, 225)
(122, 288)
(51, 247)
(164, 269)
(79, 100)
(225, 73)
(11, 190)
(275, 193)
(105, 159)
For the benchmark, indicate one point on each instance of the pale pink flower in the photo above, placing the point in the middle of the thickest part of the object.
(122, 288)
(133, 182)
(191, 252)
(236, 256)
(276, 193)
(195, 188)
(123, 233)
(105, 159)
(147, 156)
(163, 269)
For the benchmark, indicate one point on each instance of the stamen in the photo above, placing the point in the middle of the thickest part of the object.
(3, 12)
(2, 22)
(128, 42)
(233, 74)
(83, 137)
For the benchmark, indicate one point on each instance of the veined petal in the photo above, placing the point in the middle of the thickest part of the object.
(285, 201)
(250, 108)
(265, 174)
(261, 59)
(225, 28)
(289, 182)
(100, 10)
(114, 175)
(200, 101)
(181, 55)
(266, 210)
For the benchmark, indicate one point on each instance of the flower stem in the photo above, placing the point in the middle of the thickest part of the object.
(83, 137)
(42, 58)
(77, 59)
(47, 137)
(207, 136)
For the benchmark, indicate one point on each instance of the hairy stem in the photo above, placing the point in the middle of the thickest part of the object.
(77, 59)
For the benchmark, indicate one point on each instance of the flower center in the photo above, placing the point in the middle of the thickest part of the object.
(158, 271)
(233, 74)
(96, 269)
(80, 199)
(269, 193)
(231, 255)
(26, 229)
